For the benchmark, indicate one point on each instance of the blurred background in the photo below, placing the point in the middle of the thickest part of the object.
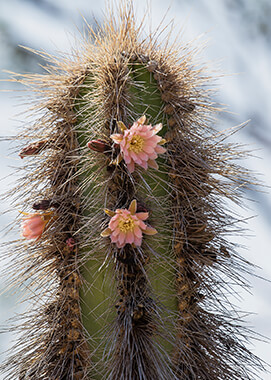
(238, 35)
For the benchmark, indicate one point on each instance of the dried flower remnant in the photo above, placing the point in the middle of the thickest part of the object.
(98, 145)
(33, 149)
(34, 224)
(140, 144)
(127, 226)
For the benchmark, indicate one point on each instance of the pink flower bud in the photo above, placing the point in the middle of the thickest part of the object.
(33, 226)
(99, 146)
(70, 242)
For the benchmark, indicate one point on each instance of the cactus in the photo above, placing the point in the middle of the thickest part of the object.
(126, 257)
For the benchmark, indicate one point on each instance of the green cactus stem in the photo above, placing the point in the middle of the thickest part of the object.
(131, 273)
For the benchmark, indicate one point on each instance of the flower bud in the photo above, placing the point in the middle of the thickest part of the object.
(70, 243)
(44, 204)
(99, 146)
(33, 226)
(33, 149)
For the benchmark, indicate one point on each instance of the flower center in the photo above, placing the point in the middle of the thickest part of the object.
(136, 144)
(126, 225)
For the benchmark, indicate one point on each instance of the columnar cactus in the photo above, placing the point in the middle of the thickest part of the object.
(125, 252)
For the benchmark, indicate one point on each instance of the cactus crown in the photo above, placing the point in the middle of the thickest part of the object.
(129, 264)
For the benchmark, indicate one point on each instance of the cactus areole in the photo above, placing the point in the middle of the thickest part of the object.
(128, 174)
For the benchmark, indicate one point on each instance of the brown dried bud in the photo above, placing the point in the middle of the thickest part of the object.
(171, 122)
(138, 312)
(44, 204)
(141, 208)
(169, 109)
(99, 146)
(166, 97)
(33, 149)
(73, 335)
(187, 106)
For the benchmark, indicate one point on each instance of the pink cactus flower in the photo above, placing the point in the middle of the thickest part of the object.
(127, 226)
(140, 144)
(33, 226)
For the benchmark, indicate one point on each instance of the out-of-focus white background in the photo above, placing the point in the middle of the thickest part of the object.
(239, 46)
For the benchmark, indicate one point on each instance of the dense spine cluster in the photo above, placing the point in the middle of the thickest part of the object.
(134, 311)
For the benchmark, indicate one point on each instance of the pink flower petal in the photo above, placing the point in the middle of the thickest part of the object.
(129, 237)
(133, 155)
(127, 158)
(153, 156)
(113, 224)
(122, 237)
(115, 232)
(143, 156)
(146, 135)
(148, 149)
(33, 226)
(114, 239)
(131, 167)
(34, 223)
(123, 145)
(144, 165)
(117, 138)
(137, 232)
(125, 212)
(137, 160)
(26, 232)
(153, 164)
(142, 215)
(142, 225)
(138, 241)
(160, 150)
(154, 140)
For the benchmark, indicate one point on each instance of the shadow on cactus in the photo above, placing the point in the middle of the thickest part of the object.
(125, 250)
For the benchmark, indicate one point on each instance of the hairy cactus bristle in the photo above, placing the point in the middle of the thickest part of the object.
(128, 264)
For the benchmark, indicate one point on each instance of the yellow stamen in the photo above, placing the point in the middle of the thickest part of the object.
(126, 225)
(136, 144)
